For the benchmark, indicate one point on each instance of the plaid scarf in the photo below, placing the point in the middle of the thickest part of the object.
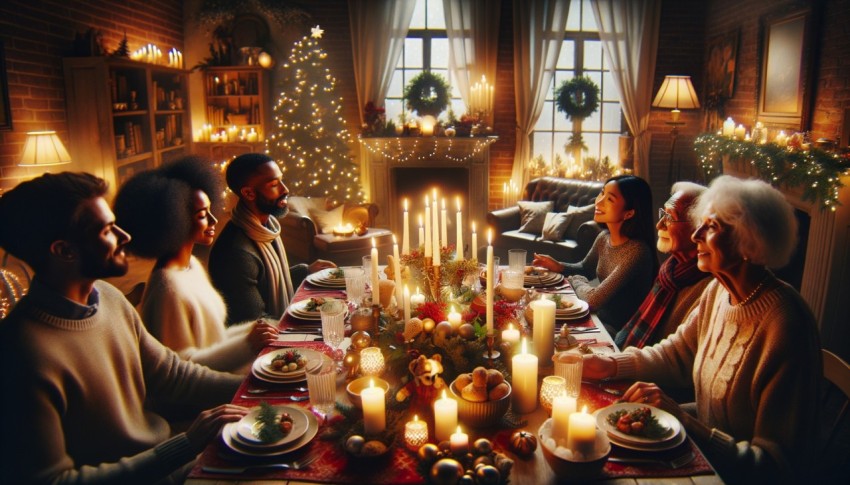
(672, 276)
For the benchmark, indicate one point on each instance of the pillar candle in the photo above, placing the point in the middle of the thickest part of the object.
(454, 318)
(473, 250)
(581, 434)
(406, 298)
(405, 235)
(739, 132)
(415, 433)
(459, 237)
(445, 417)
(544, 328)
(376, 282)
(374, 412)
(510, 334)
(417, 298)
(435, 231)
(397, 273)
(459, 442)
(490, 288)
(421, 232)
(524, 393)
(427, 228)
(729, 127)
(562, 407)
(444, 226)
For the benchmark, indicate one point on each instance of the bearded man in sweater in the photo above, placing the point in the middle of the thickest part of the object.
(248, 263)
(77, 363)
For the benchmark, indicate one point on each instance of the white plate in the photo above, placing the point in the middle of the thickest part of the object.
(664, 418)
(299, 310)
(229, 429)
(324, 278)
(266, 360)
(579, 306)
(549, 279)
(247, 429)
(259, 371)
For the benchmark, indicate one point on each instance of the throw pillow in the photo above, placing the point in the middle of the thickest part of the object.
(303, 205)
(578, 216)
(327, 220)
(533, 215)
(555, 225)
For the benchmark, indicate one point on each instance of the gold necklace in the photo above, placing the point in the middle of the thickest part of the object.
(753, 293)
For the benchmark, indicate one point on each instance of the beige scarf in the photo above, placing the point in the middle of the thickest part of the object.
(274, 257)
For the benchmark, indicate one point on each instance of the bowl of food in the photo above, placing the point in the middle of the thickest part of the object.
(482, 396)
(355, 387)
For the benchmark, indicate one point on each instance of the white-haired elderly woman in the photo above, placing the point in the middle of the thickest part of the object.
(751, 349)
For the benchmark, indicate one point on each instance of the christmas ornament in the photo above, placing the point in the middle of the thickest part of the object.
(523, 443)
(447, 471)
(361, 339)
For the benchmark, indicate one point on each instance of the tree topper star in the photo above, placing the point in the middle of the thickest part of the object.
(316, 32)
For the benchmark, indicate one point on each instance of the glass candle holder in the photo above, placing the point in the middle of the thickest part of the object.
(371, 361)
(415, 433)
(552, 387)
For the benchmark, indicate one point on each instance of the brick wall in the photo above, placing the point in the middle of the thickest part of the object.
(36, 36)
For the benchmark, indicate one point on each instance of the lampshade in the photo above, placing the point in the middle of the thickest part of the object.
(676, 92)
(43, 148)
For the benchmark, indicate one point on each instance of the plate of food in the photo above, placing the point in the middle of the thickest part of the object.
(287, 362)
(639, 425)
(269, 427)
(328, 278)
(536, 276)
(230, 433)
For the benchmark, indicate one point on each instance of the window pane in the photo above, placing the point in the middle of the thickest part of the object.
(609, 91)
(393, 107)
(545, 120)
(611, 117)
(458, 106)
(439, 53)
(396, 89)
(561, 121)
(611, 147)
(559, 141)
(566, 58)
(596, 77)
(592, 142)
(435, 17)
(592, 54)
(418, 19)
(542, 145)
(574, 17)
(592, 122)
(559, 78)
(588, 22)
(413, 53)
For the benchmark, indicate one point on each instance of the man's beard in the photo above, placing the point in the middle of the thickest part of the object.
(92, 267)
(271, 207)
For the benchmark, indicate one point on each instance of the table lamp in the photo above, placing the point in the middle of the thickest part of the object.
(43, 148)
(678, 93)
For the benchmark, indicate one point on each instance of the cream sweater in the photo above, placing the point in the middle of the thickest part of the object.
(183, 310)
(75, 390)
(756, 371)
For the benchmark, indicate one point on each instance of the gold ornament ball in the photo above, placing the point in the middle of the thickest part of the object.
(466, 480)
(361, 339)
(351, 359)
(428, 452)
(447, 471)
(265, 60)
(487, 475)
(443, 330)
(466, 331)
(354, 444)
(428, 325)
(483, 446)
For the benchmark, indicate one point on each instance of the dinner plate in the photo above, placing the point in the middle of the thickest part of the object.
(326, 279)
(229, 429)
(247, 428)
(266, 361)
(579, 306)
(664, 418)
(259, 368)
(299, 310)
(543, 280)
(574, 316)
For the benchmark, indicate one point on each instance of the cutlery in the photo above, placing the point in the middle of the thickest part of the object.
(294, 465)
(291, 398)
(615, 392)
(260, 390)
(674, 463)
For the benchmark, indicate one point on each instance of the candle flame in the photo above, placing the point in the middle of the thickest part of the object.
(458, 203)
(373, 243)
(394, 240)
(524, 350)
(426, 201)
(416, 417)
(458, 430)
(405, 205)
(444, 203)
(473, 226)
(584, 409)
(510, 326)
(444, 394)
(489, 237)
(372, 384)
(420, 219)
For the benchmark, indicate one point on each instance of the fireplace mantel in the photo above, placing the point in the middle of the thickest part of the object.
(382, 155)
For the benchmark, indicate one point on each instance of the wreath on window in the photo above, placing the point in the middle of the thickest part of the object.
(578, 97)
(427, 94)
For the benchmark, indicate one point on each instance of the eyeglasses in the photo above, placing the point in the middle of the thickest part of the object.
(665, 216)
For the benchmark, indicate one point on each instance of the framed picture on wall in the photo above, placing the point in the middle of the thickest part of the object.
(785, 76)
(722, 59)
(5, 110)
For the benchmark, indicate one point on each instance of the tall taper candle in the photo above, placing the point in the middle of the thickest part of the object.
(427, 228)
(435, 231)
(491, 291)
(524, 385)
(421, 231)
(473, 250)
(459, 238)
(397, 274)
(444, 226)
(544, 328)
(405, 235)
(376, 282)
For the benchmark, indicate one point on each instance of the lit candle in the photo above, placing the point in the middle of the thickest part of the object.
(490, 289)
(372, 361)
(562, 407)
(435, 231)
(421, 232)
(444, 229)
(524, 393)
(415, 433)
(374, 412)
(397, 274)
(417, 298)
(544, 328)
(729, 127)
(459, 442)
(510, 334)
(454, 318)
(581, 435)
(232, 133)
(427, 228)
(405, 235)
(739, 132)
(445, 417)
(376, 282)
(782, 139)
(406, 303)
(253, 136)
(459, 236)
(473, 250)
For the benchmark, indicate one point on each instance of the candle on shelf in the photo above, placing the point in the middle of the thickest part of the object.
(372, 361)
(374, 412)
(397, 273)
(739, 132)
(405, 235)
(376, 281)
(459, 442)
(415, 433)
(729, 127)
(524, 393)
(232, 133)
(581, 433)
(544, 328)
(747, 137)
(406, 298)
(253, 136)
(490, 283)
(427, 228)
(562, 407)
(510, 334)
(782, 139)
(459, 235)
(444, 223)
(421, 232)
(473, 250)
(435, 231)
(454, 318)
(427, 124)
(445, 418)
(417, 298)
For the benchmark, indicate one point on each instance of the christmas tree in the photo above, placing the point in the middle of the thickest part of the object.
(311, 143)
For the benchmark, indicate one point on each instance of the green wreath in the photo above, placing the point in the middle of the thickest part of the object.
(427, 94)
(578, 97)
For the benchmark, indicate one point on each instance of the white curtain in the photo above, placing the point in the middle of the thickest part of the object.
(378, 29)
(472, 27)
(629, 34)
(539, 27)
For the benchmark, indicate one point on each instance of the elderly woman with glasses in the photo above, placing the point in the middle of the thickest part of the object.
(750, 350)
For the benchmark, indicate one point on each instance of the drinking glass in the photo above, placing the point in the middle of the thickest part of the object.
(568, 365)
(333, 325)
(355, 285)
(512, 278)
(321, 384)
(516, 259)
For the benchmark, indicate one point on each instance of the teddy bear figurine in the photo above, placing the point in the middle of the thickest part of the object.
(425, 383)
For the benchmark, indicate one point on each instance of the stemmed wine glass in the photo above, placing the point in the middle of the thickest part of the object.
(333, 326)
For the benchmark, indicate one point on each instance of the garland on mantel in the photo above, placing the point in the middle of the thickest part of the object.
(817, 172)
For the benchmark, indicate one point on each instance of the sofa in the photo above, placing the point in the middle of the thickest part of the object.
(572, 205)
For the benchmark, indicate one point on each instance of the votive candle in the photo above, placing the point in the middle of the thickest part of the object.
(371, 361)
(510, 334)
(459, 442)
(417, 298)
(415, 433)
(562, 407)
(581, 435)
(454, 318)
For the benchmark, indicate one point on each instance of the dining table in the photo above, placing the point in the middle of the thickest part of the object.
(329, 463)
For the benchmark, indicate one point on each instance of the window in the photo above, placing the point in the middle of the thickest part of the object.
(581, 54)
(425, 49)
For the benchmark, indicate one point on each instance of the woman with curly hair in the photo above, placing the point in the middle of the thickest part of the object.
(167, 211)
(622, 258)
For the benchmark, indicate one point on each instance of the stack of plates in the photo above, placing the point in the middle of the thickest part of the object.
(674, 437)
(299, 310)
(263, 370)
(243, 435)
(327, 278)
(542, 279)
(579, 309)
